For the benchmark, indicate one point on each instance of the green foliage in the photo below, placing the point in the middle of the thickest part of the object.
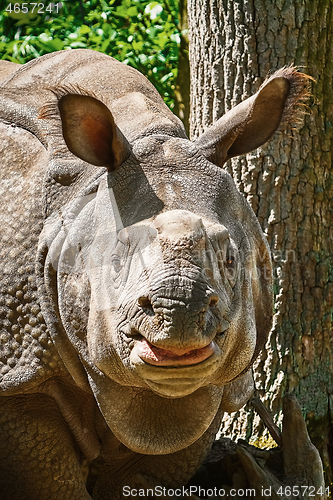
(143, 34)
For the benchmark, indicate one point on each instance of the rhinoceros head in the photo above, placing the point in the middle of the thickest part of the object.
(158, 276)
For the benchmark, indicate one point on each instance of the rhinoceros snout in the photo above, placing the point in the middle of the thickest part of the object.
(146, 304)
(179, 324)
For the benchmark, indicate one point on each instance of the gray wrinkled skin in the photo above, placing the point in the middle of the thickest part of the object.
(136, 280)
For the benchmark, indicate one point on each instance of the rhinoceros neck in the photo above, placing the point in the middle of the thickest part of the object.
(150, 424)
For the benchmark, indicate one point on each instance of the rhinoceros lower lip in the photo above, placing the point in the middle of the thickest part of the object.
(163, 357)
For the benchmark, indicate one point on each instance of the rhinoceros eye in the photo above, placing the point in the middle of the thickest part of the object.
(230, 260)
(231, 264)
(116, 268)
(116, 263)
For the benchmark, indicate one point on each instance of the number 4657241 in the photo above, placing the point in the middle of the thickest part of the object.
(30, 8)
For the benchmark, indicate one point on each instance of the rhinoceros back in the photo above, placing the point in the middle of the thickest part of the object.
(136, 105)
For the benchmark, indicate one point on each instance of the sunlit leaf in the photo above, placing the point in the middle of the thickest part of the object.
(84, 29)
(154, 9)
(132, 11)
(167, 77)
(78, 45)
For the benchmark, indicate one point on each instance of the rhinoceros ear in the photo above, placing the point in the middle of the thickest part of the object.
(90, 132)
(252, 122)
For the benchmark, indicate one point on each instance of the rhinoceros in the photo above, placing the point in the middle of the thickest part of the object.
(136, 280)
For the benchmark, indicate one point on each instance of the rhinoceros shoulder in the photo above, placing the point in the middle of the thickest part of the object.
(27, 354)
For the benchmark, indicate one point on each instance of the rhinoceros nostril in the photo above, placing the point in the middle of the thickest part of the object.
(145, 303)
(213, 301)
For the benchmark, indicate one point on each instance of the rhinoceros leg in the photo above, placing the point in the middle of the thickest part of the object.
(147, 476)
(38, 458)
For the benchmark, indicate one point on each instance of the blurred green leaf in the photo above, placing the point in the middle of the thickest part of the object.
(84, 29)
(132, 11)
(141, 33)
(78, 45)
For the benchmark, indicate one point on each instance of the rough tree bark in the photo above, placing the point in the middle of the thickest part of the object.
(289, 183)
(182, 92)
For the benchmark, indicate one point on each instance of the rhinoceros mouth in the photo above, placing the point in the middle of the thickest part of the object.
(174, 374)
(172, 357)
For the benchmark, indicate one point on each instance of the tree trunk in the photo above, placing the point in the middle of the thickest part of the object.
(182, 92)
(289, 183)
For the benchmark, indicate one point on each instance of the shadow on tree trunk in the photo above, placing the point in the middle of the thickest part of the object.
(292, 470)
